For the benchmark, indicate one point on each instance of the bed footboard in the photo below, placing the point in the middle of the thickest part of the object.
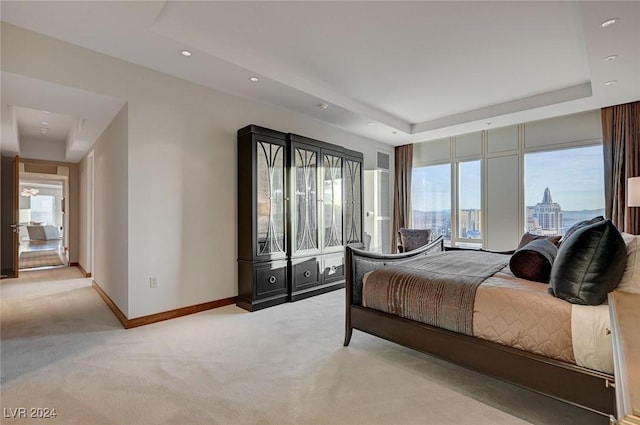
(359, 262)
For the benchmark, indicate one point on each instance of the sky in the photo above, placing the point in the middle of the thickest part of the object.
(431, 188)
(574, 177)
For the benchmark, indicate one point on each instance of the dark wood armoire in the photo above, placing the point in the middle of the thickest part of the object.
(299, 204)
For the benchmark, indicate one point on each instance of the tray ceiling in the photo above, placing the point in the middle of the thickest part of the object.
(397, 72)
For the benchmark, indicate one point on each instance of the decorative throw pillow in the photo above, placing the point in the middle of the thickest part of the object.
(589, 264)
(580, 225)
(534, 260)
(630, 281)
(528, 237)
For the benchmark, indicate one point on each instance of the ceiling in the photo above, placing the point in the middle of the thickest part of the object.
(74, 118)
(397, 72)
(35, 124)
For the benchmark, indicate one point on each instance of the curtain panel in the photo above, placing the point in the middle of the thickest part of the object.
(621, 145)
(402, 192)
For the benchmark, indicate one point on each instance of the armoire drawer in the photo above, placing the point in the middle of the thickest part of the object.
(304, 273)
(271, 280)
(333, 268)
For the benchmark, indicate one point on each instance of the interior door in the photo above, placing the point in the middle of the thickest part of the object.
(10, 215)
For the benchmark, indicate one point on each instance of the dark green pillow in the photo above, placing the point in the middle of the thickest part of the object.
(579, 225)
(589, 264)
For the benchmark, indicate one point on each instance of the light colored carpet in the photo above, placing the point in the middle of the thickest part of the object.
(62, 348)
(33, 259)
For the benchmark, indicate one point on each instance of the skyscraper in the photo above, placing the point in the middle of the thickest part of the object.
(470, 223)
(548, 215)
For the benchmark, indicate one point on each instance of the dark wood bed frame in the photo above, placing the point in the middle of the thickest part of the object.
(573, 384)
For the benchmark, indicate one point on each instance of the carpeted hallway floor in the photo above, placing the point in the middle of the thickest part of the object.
(34, 259)
(62, 348)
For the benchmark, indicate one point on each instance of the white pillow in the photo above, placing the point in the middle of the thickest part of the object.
(630, 281)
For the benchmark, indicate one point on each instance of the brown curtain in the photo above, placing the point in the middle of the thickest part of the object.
(402, 192)
(621, 144)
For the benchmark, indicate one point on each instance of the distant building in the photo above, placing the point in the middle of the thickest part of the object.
(470, 224)
(533, 226)
(547, 216)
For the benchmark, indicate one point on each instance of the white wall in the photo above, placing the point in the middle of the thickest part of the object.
(111, 268)
(43, 149)
(83, 223)
(85, 204)
(181, 169)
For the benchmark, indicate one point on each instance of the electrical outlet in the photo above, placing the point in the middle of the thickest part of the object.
(153, 282)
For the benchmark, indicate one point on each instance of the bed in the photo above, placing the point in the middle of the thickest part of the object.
(574, 365)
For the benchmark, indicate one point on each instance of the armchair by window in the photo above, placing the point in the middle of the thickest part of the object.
(411, 239)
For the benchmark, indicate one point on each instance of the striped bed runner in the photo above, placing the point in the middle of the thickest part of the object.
(437, 289)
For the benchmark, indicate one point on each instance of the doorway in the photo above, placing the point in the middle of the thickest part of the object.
(43, 223)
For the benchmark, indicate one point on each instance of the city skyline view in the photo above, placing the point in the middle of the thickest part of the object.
(574, 178)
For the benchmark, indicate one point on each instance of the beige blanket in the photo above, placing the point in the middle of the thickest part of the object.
(437, 289)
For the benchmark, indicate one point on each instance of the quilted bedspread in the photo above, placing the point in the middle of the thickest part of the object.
(522, 314)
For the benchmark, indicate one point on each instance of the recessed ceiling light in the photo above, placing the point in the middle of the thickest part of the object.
(610, 82)
(254, 79)
(44, 123)
(323, 106)
(46, 112)
(609, 22)
(185, 53)
(609, 58)
(44, 130)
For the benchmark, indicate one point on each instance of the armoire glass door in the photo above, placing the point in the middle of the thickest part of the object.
(270, 199)
(305, 208)
(332, 200)
(353, 201)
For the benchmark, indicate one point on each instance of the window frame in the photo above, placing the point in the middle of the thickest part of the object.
(456, 239)
(453, 156)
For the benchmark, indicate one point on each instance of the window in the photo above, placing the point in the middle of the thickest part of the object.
(431, 199)
(469, 200)
(563, 187)
(43, 209)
